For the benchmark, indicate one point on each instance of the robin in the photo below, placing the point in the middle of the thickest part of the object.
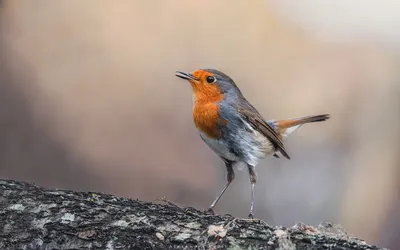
(233, 128)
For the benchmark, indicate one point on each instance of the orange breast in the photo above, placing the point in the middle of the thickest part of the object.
(205, 118)
(205, 109)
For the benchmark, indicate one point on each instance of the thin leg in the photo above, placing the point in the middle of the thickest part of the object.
(230, 175)
(253, 180)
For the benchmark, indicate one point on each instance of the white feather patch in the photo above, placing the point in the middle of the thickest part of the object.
(239, 166)
(290, 130)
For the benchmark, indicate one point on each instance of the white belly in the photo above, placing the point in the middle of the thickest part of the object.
(250, 143)
(219, 148)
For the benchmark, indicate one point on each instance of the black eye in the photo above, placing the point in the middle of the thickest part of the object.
(210, 79)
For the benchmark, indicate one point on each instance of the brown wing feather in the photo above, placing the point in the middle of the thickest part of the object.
(254, 118)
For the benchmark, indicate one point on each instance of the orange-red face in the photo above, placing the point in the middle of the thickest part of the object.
(204, 85)
(206, 95)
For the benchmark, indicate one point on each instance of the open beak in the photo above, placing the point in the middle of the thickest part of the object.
(185, 76)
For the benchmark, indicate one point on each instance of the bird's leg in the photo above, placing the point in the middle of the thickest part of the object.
(253, 180)
(230, 175)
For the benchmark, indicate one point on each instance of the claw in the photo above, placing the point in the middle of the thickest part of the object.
(211, 211)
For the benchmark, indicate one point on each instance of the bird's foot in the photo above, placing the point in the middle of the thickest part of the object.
(211, 211)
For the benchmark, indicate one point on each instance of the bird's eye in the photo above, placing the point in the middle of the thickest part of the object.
(210, 79)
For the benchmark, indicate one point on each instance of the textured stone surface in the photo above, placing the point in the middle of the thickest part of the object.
(38, 218)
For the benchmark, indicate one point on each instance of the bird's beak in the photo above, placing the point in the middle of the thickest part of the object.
(185, 76)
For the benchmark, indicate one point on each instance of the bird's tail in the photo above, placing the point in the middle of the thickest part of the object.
(286, 127)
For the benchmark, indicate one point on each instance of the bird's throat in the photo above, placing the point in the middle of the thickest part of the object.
(205, 117)
(206, 99)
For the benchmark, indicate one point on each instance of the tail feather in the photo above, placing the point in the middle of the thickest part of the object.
(286, 127)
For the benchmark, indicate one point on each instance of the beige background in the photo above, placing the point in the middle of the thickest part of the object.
(89, 101)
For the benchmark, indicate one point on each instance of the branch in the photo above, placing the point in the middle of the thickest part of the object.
(36, 218)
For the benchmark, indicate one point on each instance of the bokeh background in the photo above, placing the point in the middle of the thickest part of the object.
(89, 101)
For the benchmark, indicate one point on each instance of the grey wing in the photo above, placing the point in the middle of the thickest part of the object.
(248, 112)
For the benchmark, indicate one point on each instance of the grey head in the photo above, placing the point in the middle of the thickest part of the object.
(207, 77)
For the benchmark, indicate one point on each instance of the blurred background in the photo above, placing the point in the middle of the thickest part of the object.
(89, 101)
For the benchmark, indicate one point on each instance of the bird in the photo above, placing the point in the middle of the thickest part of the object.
(233, 128)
